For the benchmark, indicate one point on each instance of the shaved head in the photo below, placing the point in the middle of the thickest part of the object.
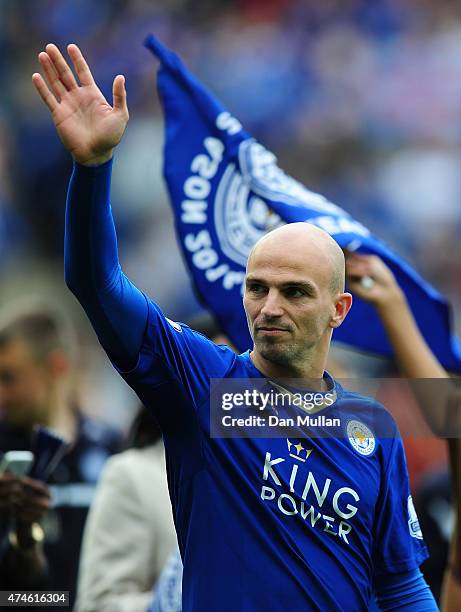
(306, 241)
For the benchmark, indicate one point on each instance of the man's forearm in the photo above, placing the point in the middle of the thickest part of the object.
(404, 592)
(415, 359)
(115, 307)
(451, 594)
(89, 225)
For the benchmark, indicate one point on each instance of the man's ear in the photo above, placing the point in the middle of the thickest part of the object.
(343, 305)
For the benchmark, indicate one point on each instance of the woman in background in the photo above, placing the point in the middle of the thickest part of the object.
(129, 533)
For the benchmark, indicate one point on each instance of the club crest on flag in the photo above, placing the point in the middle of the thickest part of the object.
(241, 217)
(261, 172)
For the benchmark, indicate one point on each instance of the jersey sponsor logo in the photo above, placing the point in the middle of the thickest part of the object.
(413, 522)
(299, 492)
(174, 325)
(361, 437)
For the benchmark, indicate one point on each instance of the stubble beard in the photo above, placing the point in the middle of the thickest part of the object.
(285, 355)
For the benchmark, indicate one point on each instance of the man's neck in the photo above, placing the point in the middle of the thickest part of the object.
(61, 416)
(310, 375)
(64, 423)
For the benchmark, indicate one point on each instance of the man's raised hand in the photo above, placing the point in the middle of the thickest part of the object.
(88, 126)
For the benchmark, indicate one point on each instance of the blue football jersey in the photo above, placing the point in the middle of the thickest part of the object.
(298, 523)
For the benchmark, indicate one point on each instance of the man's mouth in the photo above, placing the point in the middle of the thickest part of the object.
(271, 331)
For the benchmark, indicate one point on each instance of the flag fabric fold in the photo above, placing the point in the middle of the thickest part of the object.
(227, 190)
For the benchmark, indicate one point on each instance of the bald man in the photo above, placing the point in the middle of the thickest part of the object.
(309, 520)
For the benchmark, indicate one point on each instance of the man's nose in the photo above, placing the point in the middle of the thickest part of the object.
(272, 306)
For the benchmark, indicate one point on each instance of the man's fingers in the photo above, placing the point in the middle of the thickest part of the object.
(35, 505)
(119, 94)
(51, 75)
(28, 510)
(354, 281)
(61, 66)
(357, 268)
(32, 487)
(81, 67)
(44, 92)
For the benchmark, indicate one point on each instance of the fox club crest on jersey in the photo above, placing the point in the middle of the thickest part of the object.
(360, 437)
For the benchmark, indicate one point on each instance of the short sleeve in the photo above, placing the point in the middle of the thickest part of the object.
(399, 545)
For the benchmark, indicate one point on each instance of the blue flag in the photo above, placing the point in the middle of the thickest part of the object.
(227, 191)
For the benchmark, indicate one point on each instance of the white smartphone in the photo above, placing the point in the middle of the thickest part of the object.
(16, 462)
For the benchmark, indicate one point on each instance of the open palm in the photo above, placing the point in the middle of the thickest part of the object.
(88, 126)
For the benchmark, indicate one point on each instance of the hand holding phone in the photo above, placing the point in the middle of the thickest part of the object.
(16, 462)
(32, 503)
(28, 499)
(10, 490)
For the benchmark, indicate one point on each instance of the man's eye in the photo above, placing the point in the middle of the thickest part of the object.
(293, 292)
(255, 288)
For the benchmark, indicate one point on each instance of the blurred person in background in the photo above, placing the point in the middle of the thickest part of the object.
(36, 388)
(370, 279)
(129, 532)
(23, 504)
(435, 504)
(167, 591)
